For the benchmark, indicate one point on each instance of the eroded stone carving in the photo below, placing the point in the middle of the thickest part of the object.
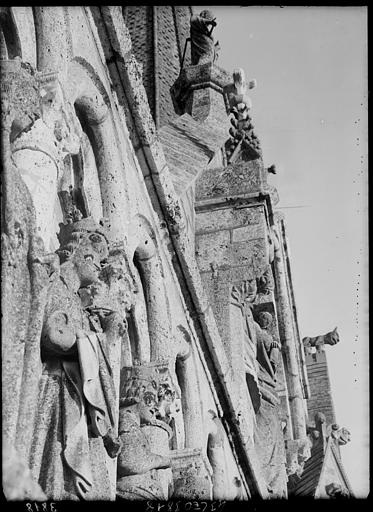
(76, 409)
(203, 47)
(340, 434)
(336, 491)
(261, 358)
(242, 130)
(298, 451)
(266, 286)
(23, 287)
(261, 350)
(318, 342)
(147, 395)
(39, 150)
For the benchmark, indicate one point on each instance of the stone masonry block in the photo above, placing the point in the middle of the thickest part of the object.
(215, 220)
(213, 248)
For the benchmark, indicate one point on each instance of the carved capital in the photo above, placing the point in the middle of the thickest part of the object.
(153, 387)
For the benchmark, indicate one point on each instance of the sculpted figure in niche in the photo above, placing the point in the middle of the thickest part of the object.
(203, 48)
(244, 296)
(74, 428)
(261, 351)
(318, 342)
(269, 348)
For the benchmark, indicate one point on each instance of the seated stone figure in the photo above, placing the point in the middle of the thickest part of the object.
(143, 401)
(75, 417)
(203, 48)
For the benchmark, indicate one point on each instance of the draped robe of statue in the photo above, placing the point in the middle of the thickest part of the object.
(75, 412)
(268, 437)
(202, 42)
(261, 354)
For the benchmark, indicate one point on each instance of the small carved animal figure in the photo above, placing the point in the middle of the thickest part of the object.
(330, 338)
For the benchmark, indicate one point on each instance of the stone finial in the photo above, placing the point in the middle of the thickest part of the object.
(318, 342)
(242, 130)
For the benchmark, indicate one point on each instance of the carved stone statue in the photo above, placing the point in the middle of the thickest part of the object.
(24, 284)
(261, 351)
(40, 150)
(203, 48)
(341, 434)
(74, 428)
(244, 296)
(145, 401)
(330, 338)
(261, 357)
(270, 348)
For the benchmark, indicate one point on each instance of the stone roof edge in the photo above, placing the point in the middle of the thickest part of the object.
(161, 177)
(341, 468)
(330, 448)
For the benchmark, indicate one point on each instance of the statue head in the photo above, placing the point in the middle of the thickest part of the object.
(208, 16)
(84, 243)
(251, 290)
(166, 398)
(264, 319)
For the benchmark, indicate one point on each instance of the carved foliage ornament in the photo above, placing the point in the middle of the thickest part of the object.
(242, 129)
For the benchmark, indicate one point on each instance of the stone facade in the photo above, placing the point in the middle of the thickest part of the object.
(151, 348)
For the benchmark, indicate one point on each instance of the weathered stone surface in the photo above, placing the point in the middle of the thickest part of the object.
(192, 475)
(134, 328)
(238, 180)
(318, 342)
(68, 457)
(146, 397)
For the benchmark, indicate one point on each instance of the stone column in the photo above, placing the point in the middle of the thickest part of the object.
(288, 343)
(157, 308)
(191, 405)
